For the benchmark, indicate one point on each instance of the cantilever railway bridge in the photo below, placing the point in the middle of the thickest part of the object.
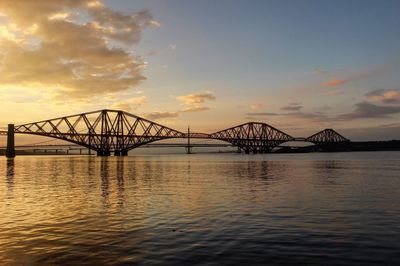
(117, 132)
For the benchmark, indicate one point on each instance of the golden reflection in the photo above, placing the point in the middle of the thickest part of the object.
(10, 174)
(120, 179)
(104, 174)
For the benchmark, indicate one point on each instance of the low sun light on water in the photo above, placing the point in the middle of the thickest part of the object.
(194, 209)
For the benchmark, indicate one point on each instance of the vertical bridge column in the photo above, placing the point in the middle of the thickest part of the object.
(10, 152)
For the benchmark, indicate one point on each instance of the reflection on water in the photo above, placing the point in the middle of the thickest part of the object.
(10, 174)
(337, 209)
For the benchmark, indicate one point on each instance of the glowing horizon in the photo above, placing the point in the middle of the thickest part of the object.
(300, 68)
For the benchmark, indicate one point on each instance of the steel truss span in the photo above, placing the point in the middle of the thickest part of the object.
(327, 136)
(107, 131)
(104, 131)
(253, 137)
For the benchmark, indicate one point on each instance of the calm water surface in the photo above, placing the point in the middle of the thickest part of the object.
(221, 209)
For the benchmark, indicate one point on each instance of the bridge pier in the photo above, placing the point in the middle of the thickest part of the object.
(10, 152)
(103, 153)
(120, 153)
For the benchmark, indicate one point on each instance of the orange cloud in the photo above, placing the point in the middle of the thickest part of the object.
(333, 82)
(192, 102)
(161, 115)
(196, 98)
(384, 96)
(195, 109)
(67, 57)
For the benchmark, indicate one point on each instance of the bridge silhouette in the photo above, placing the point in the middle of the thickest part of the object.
(113, 131)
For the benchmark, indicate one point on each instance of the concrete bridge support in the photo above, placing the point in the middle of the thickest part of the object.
(10, 152)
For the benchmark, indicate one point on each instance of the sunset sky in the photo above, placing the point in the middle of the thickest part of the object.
(300, 66)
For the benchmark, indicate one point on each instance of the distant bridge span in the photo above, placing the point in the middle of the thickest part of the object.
(113, 131)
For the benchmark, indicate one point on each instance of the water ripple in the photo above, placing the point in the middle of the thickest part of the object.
(336, 209)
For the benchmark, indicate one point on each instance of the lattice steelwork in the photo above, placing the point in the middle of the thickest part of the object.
(327, 136)
(107, 131)
(104, 131)
(253, 137)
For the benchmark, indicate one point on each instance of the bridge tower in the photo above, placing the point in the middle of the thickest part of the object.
(10, 152)
(329, 140)
(253, 137)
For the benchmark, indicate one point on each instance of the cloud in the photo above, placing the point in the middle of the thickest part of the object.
(292, 107)
(369, 110)
(194, 109)
(333, 82)
(384, 96)
(363, 110)
(314, 117)
(257, 106)
(192, 103)
(161, 115)
(70, 49)
(196, 98)
(130, 104)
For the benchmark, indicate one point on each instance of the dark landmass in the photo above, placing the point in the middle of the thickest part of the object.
(391, 145)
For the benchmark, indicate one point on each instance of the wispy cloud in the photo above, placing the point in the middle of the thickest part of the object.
(362, 110)
(292, 107)
(312, 117)
(191, 103)
(333, 82)
(369, 110)
(359, 75)
(196, 98)
(161, 115)
(194, 109)
(384, 96)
